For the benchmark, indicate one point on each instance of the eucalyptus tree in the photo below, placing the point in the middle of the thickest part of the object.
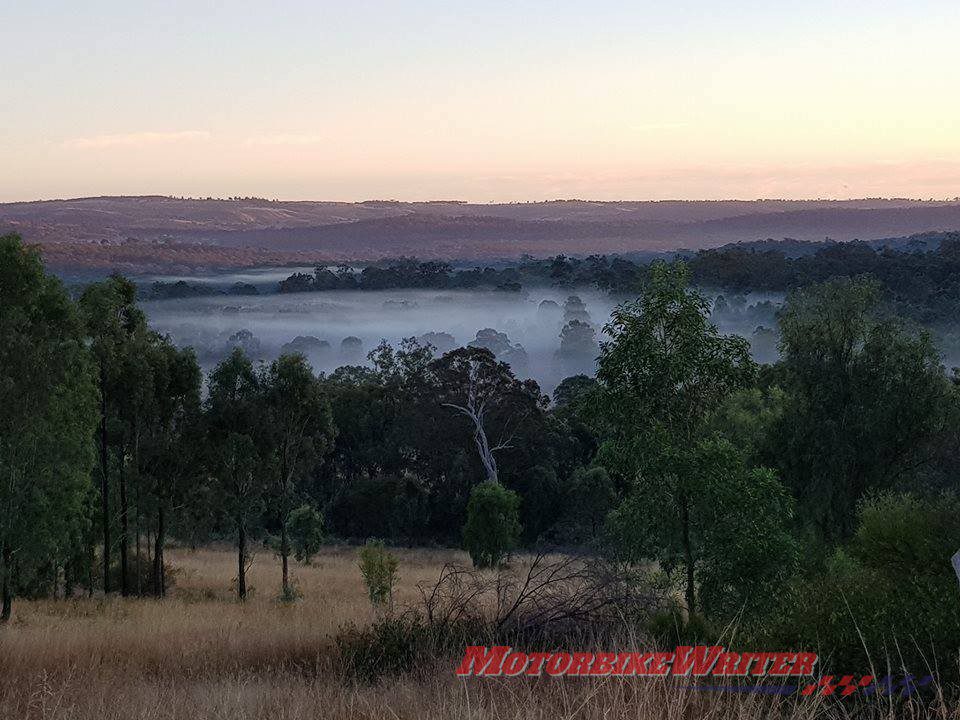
(168, 437)
(866, 399)
(47, 418)
(662, 373)
(298, 431)
(233, 417)
(114, 325)
(471, 382)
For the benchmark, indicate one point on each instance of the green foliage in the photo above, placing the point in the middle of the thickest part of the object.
(297, 428)
(889, 597)
(378, 566)
(305, 528)
(290, 592)
(865, 400)
(493, 524)
(730, 538)
(747, 419)
(673, 627)
(665, 367)
(664, 373)
(573, 390)
(400, 643)
(381, 506)
(592, 497)
(904, 536)
(47, 418)
(392, 645)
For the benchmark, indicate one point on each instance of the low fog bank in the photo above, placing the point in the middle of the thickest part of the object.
(546, 334)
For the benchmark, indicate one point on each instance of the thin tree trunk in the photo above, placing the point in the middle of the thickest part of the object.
(124, 526)
(242, 560)
(159, 581)
(284, 555)
(104, 483)
(91, 562)
(137, 509)
(6, 586)
(688, 560)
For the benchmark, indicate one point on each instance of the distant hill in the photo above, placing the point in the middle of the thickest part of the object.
(161, 234)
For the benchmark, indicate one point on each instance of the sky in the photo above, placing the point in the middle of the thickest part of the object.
(480, 101)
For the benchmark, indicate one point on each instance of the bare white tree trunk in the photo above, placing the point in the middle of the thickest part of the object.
(475, 409)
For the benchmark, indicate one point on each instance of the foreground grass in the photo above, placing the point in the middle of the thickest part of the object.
(200, 654)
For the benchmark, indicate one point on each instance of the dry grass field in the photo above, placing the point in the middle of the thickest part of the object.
(199, 654)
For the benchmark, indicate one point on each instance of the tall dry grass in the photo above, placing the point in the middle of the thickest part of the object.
(200, 654)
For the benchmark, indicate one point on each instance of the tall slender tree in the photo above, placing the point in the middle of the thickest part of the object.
(299, 429)
(113, 322)
(47, 418)
(236, 450)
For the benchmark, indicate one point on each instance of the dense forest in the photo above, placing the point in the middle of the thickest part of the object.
(787, 497)
(918, 274)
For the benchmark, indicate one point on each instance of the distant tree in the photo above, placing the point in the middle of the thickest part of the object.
(575, 309)
(578, 346)
(496, 342)
(246, 341)
(351, 349)
(471, 382)
(440, 341)
(47, 419)
(298, 430)
(167, 437)
(116, 327)
(572, 389)
(234, 413)
(298, 282)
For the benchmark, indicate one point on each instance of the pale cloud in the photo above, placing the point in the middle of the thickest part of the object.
(136, 139)
(285, 139)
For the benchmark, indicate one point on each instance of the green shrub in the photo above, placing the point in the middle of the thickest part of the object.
(404, 642)
(890, 596)
(306, 533)
(378, 566)
(493, 524)
(390, 646)
(291, 592)
(672, 627)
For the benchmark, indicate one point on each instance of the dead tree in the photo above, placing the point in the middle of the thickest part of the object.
(474, 384)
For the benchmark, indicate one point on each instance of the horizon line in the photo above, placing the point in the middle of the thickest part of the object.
(460, 201)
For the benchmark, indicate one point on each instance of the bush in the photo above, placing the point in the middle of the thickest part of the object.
(672, 627)
(890, 595)
(396, 644)
(390, 646)
(492, 525)
(379, 569)
(306, 533)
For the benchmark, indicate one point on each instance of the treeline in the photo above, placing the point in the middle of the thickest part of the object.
(919, 276)
(923, 286)
(596, 270)
(810, 500)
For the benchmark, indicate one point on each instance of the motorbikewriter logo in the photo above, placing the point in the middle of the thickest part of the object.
(701, 661)
(698, 661)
